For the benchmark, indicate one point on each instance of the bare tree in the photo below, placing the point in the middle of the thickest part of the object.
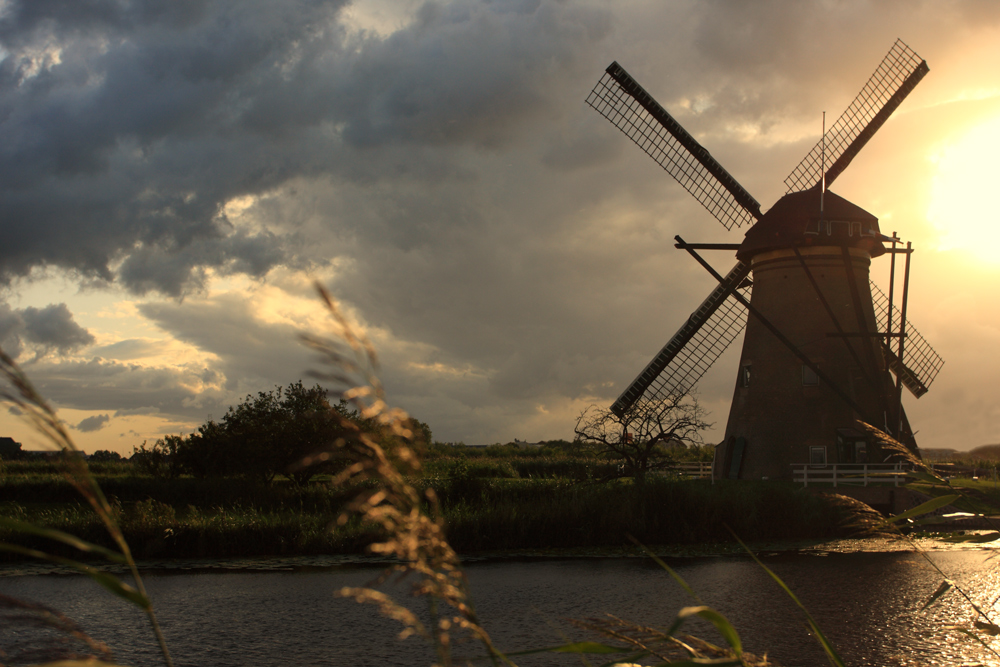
(642, 437)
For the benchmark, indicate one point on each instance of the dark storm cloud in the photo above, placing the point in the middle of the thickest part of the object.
(129, 388)
(175, 270)
(125, 126)
(91, 424)
(49, 328)
(499, 232)
(53, 327)
(11, 327)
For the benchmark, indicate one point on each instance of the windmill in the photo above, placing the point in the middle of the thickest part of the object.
(822, 341)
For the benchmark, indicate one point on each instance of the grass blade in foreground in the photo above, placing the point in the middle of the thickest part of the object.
(941, 590)
(59, 536)
(676, 577)
(831, 652)
(35, 410)
(595, 648)
(108, 581)
(924, 473)
(925, 508)
(33, 633)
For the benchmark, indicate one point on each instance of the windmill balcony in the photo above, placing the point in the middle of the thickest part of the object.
(852, 474)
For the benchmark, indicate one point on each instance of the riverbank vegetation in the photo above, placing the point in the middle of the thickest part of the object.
(496, 498)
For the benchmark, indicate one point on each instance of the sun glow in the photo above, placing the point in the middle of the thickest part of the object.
(964, 205)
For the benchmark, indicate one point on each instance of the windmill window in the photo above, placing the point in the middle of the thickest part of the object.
(809, 377)
(861, 452)
(745, 375)
(817, 456)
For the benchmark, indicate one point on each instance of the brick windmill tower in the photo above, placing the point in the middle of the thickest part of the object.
(822, 341)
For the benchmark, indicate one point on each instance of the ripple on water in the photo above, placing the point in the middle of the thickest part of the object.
(283, 611)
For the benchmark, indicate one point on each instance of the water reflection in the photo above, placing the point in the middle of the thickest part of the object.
(868, 604)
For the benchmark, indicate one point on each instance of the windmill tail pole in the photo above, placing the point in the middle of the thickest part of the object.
(902, 337)
(822, 190)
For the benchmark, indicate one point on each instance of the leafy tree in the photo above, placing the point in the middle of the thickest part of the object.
(207, 453)
(289, 430)
(265, 435)
(10, 449)
(643, 439)
(160, 459)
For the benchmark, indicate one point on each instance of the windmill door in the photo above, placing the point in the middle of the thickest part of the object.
(852, 446)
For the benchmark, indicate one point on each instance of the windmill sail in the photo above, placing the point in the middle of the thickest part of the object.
(619, 98)
(692, 350)
(898, 73)
(922, 363)
(905, 375)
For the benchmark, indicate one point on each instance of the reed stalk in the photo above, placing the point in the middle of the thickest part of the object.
(44, 420)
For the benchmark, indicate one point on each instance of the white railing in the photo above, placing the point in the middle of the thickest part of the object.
(693, 469)
(851, 474)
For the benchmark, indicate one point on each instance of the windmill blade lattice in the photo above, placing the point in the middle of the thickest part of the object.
(898, 73)
(692, 350)
(619, 98)
(921, 363)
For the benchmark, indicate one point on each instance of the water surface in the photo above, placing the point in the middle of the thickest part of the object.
(867, 603)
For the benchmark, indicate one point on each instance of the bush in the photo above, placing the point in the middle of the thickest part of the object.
(276, 432)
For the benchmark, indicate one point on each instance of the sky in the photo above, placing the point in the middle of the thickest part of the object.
(176, 174)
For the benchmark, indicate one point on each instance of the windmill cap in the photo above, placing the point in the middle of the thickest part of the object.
(795, 221)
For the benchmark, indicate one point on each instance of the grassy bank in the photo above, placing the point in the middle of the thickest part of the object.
(495, 514)
(488, 503)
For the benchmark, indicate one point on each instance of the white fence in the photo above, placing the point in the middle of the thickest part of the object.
(851, 474)
(693, 469)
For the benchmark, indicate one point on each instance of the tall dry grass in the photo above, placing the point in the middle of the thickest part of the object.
(412, 520)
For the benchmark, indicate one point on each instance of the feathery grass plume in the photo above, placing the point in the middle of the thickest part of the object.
(645, 641)
(861, 520)
(380, 458)
(43, 419)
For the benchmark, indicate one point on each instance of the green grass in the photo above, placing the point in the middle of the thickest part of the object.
(494, 498)
(506, 514)
(981, 495)
(188, 518)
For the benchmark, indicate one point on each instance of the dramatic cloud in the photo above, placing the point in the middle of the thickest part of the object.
(127, 127)
(48, 328)
(53, 326)
(91, 424)
(131, 388)
(198, 162)
(251, 353)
